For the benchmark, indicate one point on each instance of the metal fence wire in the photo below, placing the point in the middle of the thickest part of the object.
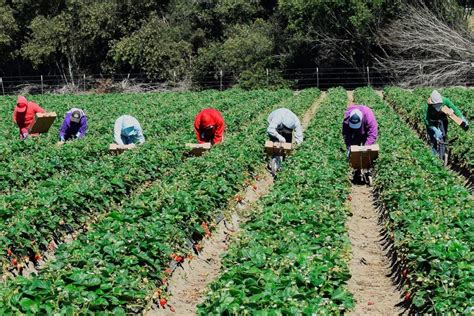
(297, 78)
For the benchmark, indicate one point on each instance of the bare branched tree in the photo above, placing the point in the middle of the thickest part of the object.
(421, 50)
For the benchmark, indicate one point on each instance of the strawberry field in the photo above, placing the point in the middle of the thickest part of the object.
(102, 230)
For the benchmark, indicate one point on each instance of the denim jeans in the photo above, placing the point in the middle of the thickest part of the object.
(435, 134)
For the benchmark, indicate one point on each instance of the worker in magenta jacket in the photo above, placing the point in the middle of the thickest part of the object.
(359, 126)
(24, 115)
(209, 126)
(74, 125)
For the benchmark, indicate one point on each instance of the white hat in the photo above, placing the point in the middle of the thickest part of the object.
(355, 119)
(436, 97)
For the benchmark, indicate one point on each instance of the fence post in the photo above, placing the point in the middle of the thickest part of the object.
(317, 77)
(174, 77)
(421, 74)
(84, 82)
(368, 76)
(3, 89)
(220, 79)
(267, 76)
(42, 88)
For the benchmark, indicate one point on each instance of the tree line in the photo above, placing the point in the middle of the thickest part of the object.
(191, 39)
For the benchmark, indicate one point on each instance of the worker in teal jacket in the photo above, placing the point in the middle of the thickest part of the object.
(127, 130)
(437, 121)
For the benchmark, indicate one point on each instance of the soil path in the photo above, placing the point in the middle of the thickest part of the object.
(373, 290)
(187, 286)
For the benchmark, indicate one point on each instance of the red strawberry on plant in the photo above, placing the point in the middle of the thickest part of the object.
(37, 257)
(206, 229)
(9, 252)
(14, 262)
(407, 296)
(404, 273)
(163, 302)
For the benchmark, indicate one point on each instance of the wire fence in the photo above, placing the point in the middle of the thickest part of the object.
(296, 78)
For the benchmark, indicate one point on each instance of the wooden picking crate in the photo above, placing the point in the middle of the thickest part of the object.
(362, 157)
(450, 113)
(198, 149)
(118, 149)
(276, 148)
(43, 122)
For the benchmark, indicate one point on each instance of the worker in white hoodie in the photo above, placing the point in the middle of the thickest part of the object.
(281, 125)
(127, 130)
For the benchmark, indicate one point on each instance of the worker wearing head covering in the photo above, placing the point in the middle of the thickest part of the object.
(436, 120)
(74, 125)
(24, 115)
(127, 131)
(209, 126)
(359, 126)
(281, 125)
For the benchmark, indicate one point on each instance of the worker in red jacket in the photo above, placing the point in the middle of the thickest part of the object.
(24, 115)
(209, 126)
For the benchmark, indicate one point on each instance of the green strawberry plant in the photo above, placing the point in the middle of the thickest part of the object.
(427, 214)
(130, 248)
(291, 256)
(461, 143)
(70, 201)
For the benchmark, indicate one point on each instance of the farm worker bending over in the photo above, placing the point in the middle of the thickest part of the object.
(127, 131)
(281, 124)
(359, 126)
(209, 126)
(437, 121)
(74, 125)
(24, 115)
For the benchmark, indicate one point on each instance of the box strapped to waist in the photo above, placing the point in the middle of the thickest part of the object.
(198, 149)
(42, 123)
(277, 148)
(362, 157)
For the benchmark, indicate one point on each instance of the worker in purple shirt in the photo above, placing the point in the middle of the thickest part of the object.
(359, 126)
(74, 125)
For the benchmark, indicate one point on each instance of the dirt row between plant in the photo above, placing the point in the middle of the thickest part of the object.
(188, 284)
(373, 290)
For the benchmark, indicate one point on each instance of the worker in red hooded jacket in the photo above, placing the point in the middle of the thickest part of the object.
(24, 115)
(209, 126)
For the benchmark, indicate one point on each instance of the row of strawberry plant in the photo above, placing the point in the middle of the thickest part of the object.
(428, 216)
(291, 256)
(50, 160)
(410, 106)
(32, 217)
(119, 263)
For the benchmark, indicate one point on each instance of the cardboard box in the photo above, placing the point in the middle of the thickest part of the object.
(276, 148)
(450, 113)
(198, 149)
(362, 157)
(42, 122)
(118, 149)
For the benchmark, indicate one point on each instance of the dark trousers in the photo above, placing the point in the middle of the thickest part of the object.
(286, 133)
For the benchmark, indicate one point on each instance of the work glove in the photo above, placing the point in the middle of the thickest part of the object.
(78, 135)
(281, 139)
(24, 135)
(465, 124)
(61, 138)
